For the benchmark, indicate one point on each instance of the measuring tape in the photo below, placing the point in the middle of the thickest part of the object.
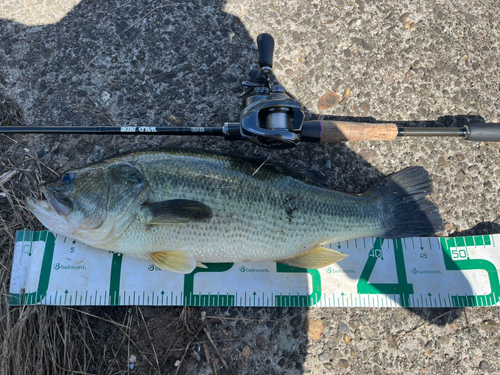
(410, 272)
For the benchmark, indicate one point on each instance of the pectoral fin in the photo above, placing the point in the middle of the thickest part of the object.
(176, 211)
(316, 258)
(175, 261)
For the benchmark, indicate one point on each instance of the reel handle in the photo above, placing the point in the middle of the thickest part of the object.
(265, 43)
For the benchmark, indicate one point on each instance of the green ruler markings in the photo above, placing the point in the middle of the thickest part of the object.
(33, 298)
(456, 258)
(403, 289)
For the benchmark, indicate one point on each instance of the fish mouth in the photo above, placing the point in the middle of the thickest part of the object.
(57, 202)
(38, 205)
(48, 215)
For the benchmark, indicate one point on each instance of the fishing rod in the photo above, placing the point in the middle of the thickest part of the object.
(272, 118)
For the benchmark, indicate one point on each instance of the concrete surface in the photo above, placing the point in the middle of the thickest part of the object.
(422, 63)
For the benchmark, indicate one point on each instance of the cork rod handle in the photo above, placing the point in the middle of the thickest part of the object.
(341, 131)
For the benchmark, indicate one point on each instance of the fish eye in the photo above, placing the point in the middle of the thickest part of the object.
(67, 177)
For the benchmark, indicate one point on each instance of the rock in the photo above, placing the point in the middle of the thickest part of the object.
(391, 341)
(444, 340)
(105, 96)
(283, 340)
(460, 177)
(473, 169)
(325, 356)
(262, 343)
(370, 334)
(330, 99)
(429, 344)
(40, 154)
(46, 52)
(296, 321)
(404, 17)
(395, 322)
(362, 43)
(448, 226)
(347, 95)
(245, 352)
(168, 77)
(132, 359)
(442, 161)
(354, 323)
(343, 363)
(315, 329)
(470, 18)
(328, 366)
(483, 366)
(489, 325)
(343, 328)
(328, 164)
(388, 80)
(365, 106)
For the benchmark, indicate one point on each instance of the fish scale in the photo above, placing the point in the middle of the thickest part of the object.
(262, 219)
(257, 211)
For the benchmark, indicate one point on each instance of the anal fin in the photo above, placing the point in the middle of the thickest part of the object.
(318, 257)
(175, 261)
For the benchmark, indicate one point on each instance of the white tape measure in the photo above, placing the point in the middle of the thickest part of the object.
(411, 272)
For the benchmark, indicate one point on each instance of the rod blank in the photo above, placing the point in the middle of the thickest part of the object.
(433, 132)
(122, 130)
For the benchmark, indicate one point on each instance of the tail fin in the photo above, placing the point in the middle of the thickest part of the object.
(407, 213)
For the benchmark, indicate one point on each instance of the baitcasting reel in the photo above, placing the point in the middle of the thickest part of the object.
(270, 117)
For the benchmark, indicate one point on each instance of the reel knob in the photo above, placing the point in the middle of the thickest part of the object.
(265, 43)
(277, 89)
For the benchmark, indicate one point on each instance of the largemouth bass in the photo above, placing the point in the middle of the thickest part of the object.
(182, 209)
